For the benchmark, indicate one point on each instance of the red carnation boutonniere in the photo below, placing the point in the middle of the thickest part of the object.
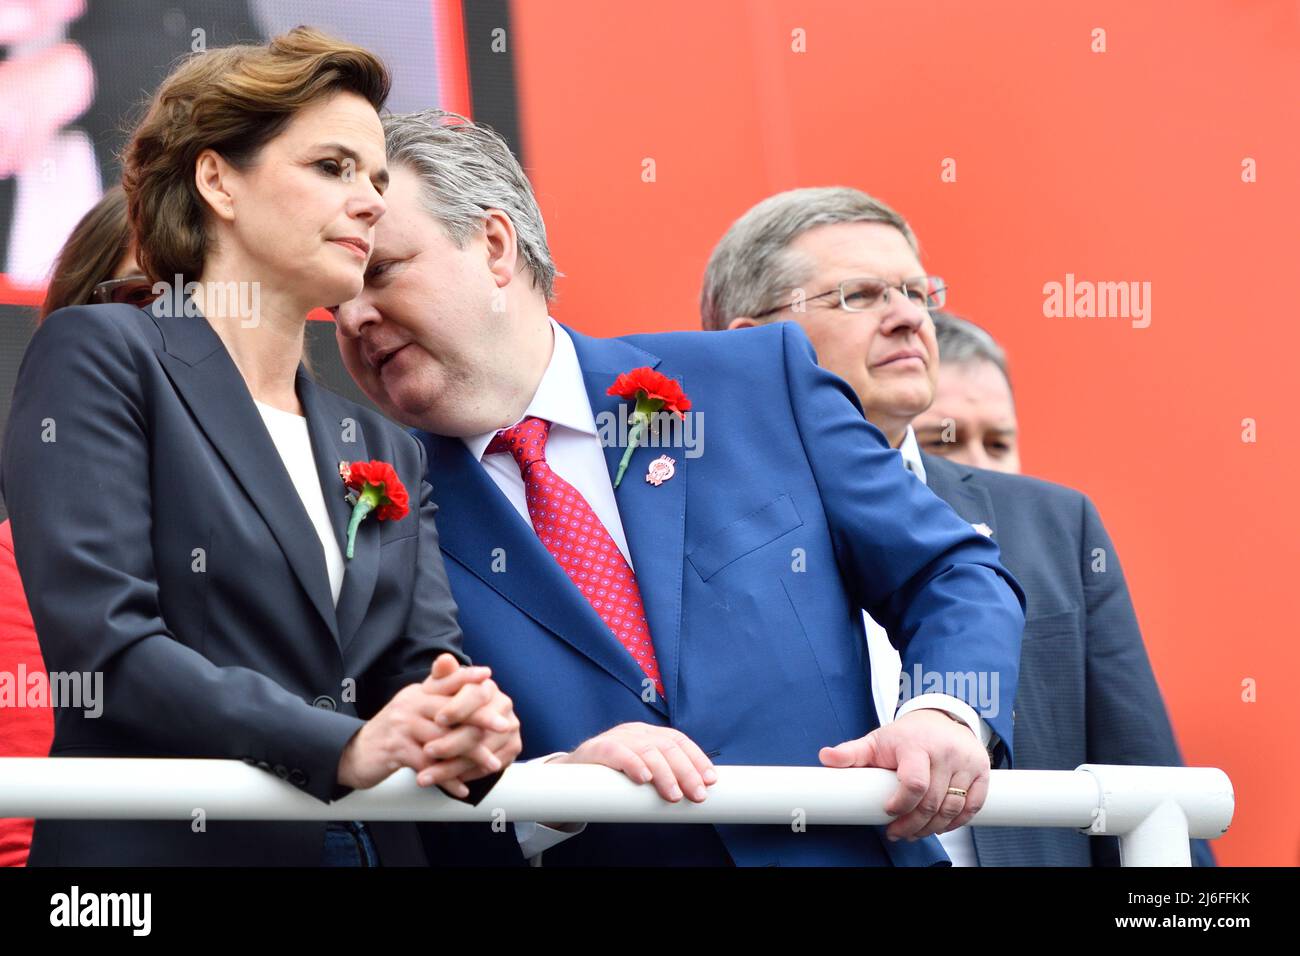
(372, 486)
(653, 393)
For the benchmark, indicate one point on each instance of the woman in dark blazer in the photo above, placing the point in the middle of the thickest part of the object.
(165, 534)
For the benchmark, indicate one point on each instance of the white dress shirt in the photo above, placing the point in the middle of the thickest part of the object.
(573, 449)
(886, 672)
(292, 441)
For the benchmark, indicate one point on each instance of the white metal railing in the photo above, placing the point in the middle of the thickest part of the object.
(1153, 810)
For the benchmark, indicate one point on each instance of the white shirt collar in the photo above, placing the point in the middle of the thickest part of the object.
(911, 453)
(561, 396)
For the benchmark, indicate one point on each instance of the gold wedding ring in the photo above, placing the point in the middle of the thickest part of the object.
(957, 791)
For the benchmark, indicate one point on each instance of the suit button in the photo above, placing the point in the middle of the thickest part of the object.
(297, 777)
(325, 702)
(264, 765)
(1013, 716)
(282, 771)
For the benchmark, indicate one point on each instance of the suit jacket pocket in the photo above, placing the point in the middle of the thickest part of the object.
(744, 535)
(1039, 627)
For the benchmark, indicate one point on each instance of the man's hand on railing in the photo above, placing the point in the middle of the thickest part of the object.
(455, 726)
(646, 753)
(930, 752)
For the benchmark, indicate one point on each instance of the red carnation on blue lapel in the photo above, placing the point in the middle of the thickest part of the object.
(653, 393)
(646, 385)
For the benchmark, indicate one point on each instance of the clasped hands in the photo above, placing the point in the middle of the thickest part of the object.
(454, 727)
(929, 751)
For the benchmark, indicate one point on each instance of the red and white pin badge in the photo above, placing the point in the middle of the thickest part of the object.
(661, 469)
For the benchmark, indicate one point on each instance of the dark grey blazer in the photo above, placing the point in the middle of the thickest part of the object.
(162, 543)
(1087, 693)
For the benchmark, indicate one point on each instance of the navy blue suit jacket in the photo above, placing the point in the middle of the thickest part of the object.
(162, 543)
(753, 562)
(1087, 693)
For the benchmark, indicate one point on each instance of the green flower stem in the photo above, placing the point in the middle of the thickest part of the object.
(367, 501)
(646, 408)
(638, 427)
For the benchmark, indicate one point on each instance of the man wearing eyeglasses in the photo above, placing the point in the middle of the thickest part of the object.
(847, 269)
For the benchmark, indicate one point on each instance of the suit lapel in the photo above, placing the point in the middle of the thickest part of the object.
(335, 439)
(653, 517)
(479, 528)
(952, 483)
(207, 379)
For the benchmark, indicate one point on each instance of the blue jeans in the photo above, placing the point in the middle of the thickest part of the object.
(349, 844)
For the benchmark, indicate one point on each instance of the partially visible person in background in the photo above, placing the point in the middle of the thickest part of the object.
(847, 269)
(96, 264)
(972, 420)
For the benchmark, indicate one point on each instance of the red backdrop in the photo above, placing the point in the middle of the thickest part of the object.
(1123, 165)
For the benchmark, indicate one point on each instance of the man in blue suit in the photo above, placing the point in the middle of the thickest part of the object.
(706, 606)
(1086, 690)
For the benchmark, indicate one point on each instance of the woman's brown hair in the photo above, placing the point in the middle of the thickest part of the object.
(91, 255)
(232, 100)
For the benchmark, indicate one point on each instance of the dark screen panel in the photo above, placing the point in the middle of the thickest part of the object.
(17, 323)
(492, 72)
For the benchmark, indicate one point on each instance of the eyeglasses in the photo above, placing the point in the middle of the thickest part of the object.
(134, 290)
(868, 293)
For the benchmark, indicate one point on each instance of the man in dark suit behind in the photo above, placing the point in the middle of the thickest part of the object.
(831, 260)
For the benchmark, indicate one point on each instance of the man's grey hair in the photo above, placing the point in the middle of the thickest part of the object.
(752, 269)
(466, 168)
(963, 342)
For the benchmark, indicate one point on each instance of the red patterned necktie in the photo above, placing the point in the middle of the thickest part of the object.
(575, 537)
